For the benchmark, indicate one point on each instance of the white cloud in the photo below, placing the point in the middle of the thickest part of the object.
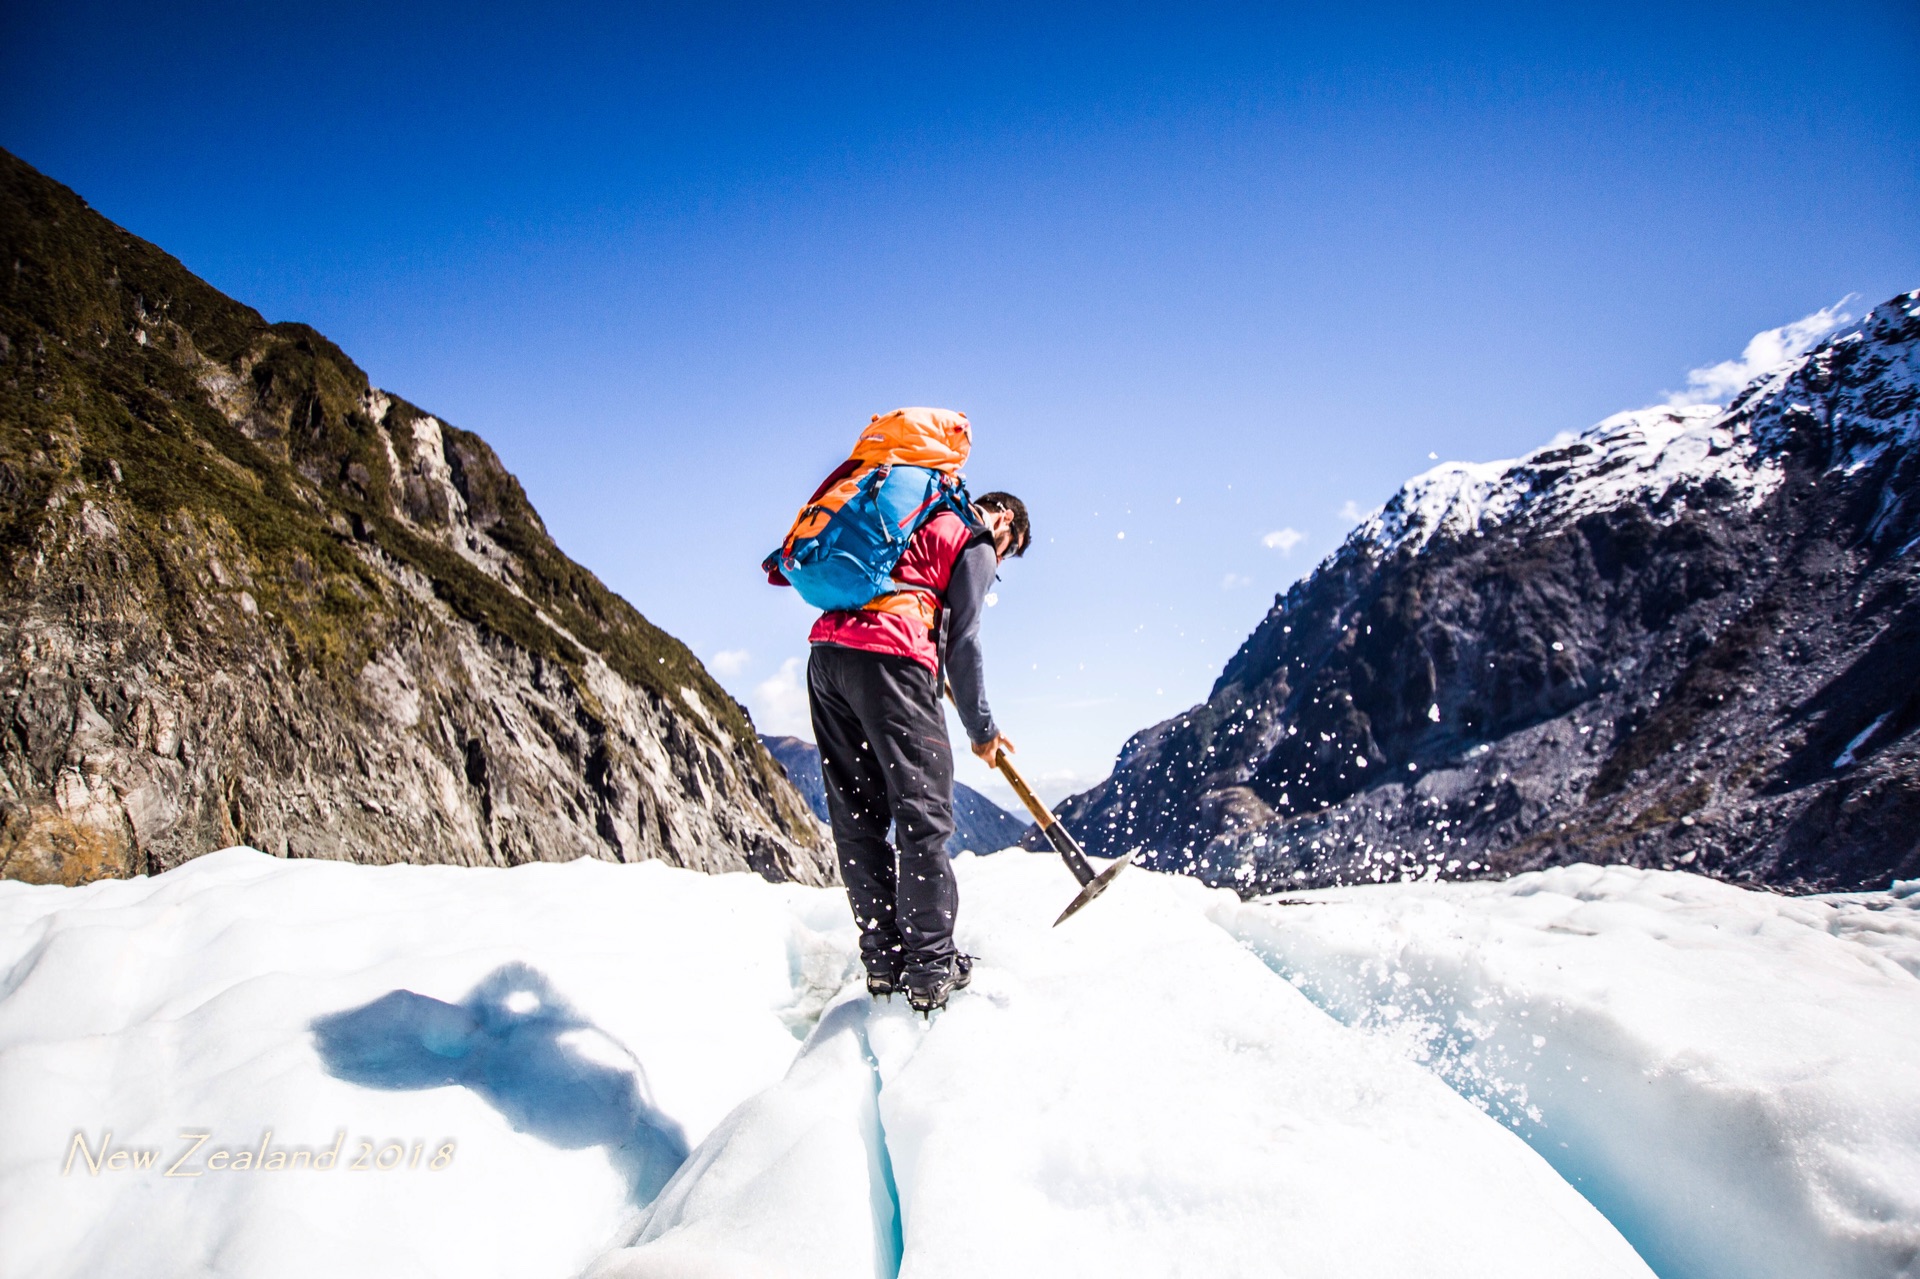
(1234, 581)
(1283, 540)
(729, 661)
(1351, 512)
(1716, 383)
(779, 702)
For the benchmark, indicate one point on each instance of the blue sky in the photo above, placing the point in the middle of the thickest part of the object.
(1199, 274)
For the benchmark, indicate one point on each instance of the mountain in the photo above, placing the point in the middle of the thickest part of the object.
(250, 598)
(1687, 637)
(979, 824)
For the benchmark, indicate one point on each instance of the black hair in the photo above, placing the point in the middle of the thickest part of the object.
(1021, 530)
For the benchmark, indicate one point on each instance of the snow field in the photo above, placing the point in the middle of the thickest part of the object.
(1132, 1094)
(1733, 1077)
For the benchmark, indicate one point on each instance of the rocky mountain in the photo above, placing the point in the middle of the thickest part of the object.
(1689, 637)
(979, 824)
(249, 598)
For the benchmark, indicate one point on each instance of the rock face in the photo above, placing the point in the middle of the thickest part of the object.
(249, 598)
(979, 824)
(1689, 637)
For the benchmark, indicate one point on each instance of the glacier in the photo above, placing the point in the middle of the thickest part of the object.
(622, 1071)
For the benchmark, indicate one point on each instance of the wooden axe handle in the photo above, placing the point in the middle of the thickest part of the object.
(1041, 813)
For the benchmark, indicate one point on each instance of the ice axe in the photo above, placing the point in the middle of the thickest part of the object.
(1092, 883)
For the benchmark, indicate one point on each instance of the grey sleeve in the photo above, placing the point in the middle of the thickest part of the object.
(966, 670)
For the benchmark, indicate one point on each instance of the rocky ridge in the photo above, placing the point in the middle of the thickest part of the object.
(1687, 637)
(251, 599)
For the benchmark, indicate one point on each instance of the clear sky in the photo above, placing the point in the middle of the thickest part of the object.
(1199, 274)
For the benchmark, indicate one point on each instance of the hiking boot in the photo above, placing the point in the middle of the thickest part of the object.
(927, 989)
(883, 982)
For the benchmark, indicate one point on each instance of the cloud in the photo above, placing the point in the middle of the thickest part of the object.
(729, 661)
(1352, 512)
(1234, 581)
(1769, 349)
(779, 702)
(1283, 540)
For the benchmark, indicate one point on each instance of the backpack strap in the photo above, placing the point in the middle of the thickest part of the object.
(909, 599)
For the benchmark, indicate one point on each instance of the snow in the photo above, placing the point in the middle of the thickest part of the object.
(642, 1071)
(1635, 456)
(1135, 1094)
(1863, 417)
(1644, 455)
(1732, 1076)
(186, 1003)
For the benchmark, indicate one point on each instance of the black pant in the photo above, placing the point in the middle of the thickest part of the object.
(886, 759)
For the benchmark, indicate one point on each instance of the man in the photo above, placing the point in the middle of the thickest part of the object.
(873, 683)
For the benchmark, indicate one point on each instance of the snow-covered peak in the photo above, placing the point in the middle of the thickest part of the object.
(1863, 386)
(1638, 454)
(1867, 380)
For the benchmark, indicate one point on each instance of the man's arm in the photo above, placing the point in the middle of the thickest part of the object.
(966, 669)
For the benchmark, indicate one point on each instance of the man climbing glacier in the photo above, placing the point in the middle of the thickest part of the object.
(873, 683)
(899, 559)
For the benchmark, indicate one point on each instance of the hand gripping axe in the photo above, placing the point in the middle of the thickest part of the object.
(1092, 883)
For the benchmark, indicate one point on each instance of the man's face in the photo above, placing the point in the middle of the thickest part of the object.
(1000, 523)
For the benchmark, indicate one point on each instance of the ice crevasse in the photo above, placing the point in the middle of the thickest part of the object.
(636, 1070)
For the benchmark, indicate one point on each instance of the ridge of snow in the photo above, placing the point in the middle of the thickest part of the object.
(1642, 453)
(1864, 420)
(1645, 454)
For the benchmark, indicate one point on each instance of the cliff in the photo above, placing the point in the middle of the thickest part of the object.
(251, 599)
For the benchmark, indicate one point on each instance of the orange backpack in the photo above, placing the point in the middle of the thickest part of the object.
(844, 544)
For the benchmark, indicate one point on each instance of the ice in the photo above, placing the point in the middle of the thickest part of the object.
(189, 1002)
(796, 1181)
(1732, 1076)
(1134, 1094)
(624, 1071)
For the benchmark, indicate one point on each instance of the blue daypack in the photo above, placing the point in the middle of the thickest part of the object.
(846, 541)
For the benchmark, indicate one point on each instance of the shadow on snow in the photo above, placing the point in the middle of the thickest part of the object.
(518, 1044)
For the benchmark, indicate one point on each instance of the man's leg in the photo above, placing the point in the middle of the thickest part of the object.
(857, 805)
(900, 709)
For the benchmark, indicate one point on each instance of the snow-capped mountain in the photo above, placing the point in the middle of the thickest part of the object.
(1686, 636)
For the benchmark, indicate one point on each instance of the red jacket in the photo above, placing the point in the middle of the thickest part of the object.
(928, 561)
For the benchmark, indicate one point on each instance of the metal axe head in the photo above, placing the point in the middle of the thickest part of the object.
(1095, 886)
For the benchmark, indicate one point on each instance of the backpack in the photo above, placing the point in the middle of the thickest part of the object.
(844, 544)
